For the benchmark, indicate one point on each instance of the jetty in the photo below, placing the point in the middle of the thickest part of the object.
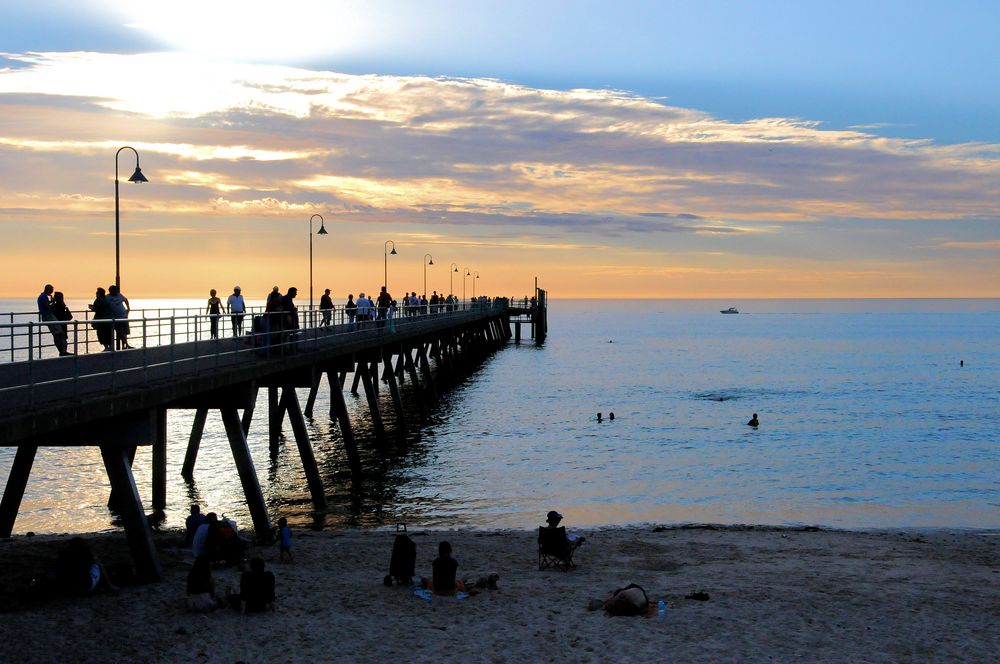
(119, 400)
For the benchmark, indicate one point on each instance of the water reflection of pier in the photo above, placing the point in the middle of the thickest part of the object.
(119, 400)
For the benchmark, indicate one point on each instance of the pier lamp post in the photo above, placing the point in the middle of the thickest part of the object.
(321, 231)
(427, 261)
(475, 276)
(136, 177)
(467, 273)
(385, 273)
(451, 278)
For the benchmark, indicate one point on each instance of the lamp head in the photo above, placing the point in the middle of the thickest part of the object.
(322, 229)
(393, 252)
(456, 269)
(431, 262)
(138, 176)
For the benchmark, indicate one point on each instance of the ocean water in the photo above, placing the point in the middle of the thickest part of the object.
(867, 420)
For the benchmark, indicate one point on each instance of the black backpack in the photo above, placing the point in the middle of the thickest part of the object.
(403, 561)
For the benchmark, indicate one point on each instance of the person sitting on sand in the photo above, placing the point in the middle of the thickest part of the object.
(445, 567)
(753, 421)
(191, 524)
(78, 570)
(207, 540)
(256, 589)
(552, 520)
(201, 587)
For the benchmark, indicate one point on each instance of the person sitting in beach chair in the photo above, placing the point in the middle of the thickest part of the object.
(555, 546)
(444, 581)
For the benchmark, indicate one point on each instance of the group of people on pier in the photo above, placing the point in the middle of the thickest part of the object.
(111, 310)
(110, 322)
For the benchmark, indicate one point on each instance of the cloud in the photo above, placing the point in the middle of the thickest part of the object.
(219, 138)
(981, 244)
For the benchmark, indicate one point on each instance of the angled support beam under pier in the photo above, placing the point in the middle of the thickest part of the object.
(275, 418)
(338, 411)
(366, 379)
(357, 379)
(425, 369)
(160, 462)
(14, 491)
(194, 442)
(248, 412)
(248, 475)
(291, 402)
(112, 496)
(313, 389)
(129, 505)
(411, 371)
(389, 375)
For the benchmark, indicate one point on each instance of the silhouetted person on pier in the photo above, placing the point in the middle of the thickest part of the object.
(119, 309)
(45, 313)
(273, 315)
(351, 309)
(326, 306)
(754, 421)
(102, 319)
(214, 310)
(237, 309)
(383, 303)
(290, 316)
(60, 336)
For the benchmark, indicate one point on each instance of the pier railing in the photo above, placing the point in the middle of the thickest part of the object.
(177, 347)
(26, 338)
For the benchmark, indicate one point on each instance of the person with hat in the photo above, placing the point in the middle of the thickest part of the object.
(552, 519)
(237, 309)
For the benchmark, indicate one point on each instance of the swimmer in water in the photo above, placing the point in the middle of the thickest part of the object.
(754, 421)
(611, 415)
(600, 417)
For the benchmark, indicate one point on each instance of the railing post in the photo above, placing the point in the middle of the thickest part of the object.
(31, 340)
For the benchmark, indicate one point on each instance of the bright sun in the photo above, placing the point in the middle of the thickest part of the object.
(254, 30)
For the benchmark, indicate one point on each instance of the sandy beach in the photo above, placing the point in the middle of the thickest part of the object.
(774, 595)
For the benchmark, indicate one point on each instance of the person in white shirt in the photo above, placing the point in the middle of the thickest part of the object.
(237, 309)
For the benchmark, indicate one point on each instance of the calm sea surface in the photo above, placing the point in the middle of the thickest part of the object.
(867, 420)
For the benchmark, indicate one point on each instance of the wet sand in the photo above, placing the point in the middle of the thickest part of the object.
(775, 595)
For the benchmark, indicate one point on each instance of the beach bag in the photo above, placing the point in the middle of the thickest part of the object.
(403, 561)
(628, 601)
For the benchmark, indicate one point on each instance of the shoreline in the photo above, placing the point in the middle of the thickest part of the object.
(775, 594)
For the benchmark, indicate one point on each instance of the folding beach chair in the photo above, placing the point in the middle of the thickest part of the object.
(554, 549)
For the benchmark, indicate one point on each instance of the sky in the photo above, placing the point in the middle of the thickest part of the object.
(628, 149)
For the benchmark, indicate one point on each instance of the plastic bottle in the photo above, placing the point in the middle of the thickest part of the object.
(661, 610)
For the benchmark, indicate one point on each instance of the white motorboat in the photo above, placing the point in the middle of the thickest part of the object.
(730, 310)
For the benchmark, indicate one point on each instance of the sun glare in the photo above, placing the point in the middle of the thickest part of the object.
(252, 30)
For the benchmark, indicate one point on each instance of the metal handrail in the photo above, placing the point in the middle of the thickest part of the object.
(255, 346)
(32, 340)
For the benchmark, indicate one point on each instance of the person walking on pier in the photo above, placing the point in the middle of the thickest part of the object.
(383, 303)
(102, 320)
(363, 310)
(214, 311)
(326, 306)
(351, 309)
(236, 308)
(120, 309)
(290, 316)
